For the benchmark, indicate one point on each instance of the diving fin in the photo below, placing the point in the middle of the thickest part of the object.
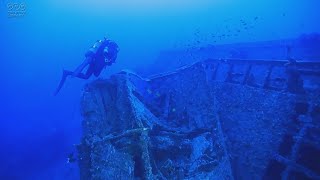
(65, 74)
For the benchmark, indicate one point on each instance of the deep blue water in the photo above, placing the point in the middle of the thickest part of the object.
(38, 130)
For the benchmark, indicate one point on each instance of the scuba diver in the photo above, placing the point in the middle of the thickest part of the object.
(103, 53)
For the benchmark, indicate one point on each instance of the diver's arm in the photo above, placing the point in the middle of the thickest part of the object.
(80, 68)
(111, 59)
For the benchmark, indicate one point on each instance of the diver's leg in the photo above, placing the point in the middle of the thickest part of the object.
(88, 73)
(80, 68)
(65, 74)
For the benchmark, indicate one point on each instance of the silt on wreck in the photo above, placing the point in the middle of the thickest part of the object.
(214, 119)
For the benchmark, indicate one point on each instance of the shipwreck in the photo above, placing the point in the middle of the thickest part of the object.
(214, 119)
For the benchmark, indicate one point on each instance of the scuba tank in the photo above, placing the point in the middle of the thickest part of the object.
(95, 48)
(105, 49)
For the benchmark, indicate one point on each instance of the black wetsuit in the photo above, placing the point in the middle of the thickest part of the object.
(100, 55)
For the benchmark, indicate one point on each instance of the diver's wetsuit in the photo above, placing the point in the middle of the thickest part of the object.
(103, 53)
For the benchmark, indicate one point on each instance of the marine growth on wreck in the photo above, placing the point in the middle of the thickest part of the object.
(214, 119)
